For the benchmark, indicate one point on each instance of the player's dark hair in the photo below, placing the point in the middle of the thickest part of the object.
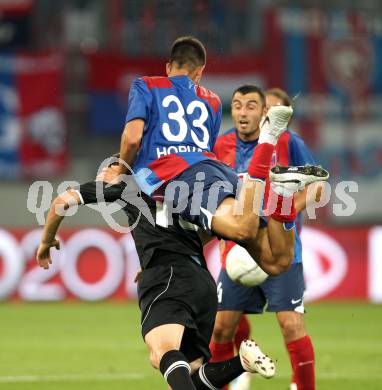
(280, 94)
(248, 88)
(188, 52)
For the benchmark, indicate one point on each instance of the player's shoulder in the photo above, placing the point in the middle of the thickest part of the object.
(227, 136)
(155, 82)
(227, 139)
(295, 139)
(291, 137)
(299, 152)
(211, 97)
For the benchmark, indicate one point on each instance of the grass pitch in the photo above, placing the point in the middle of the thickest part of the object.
(70, 346)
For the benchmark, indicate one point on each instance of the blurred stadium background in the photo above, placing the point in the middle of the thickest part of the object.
(65, 71)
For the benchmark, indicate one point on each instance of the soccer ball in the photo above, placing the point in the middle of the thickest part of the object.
(242, 269)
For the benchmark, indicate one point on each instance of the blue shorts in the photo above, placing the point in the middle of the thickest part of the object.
(200, 189)
(283, 292)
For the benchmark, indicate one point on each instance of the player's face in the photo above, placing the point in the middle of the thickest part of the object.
(247, 111)
(272, 100)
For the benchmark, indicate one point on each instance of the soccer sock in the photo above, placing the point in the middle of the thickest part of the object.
(176, 370)
(301, 355)
(261, 161)
(221, 352)
(285, 210)
(281, 207)
(216, 375)
(242, 332)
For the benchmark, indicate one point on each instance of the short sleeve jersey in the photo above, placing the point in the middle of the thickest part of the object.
(182, 121)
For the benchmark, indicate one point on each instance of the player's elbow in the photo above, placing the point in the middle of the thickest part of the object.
(132, 134)
(60, 200)
(60, 205)
(131, 142)
(65, 201)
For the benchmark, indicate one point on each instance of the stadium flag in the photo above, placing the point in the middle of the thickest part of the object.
(111, 76)
(330, 60)
(32, 127)
(334, 54)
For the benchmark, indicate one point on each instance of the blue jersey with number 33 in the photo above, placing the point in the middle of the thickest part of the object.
(182, 121)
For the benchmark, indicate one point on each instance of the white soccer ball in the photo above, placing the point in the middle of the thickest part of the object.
(242, 269)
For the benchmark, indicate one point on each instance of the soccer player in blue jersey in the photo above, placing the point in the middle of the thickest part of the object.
(283, 294)
(171, 127)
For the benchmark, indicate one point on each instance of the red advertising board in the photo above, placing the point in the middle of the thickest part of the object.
(94, 264)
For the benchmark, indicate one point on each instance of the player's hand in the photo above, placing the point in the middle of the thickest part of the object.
(136, 279)
(109, 175)
(43, 253)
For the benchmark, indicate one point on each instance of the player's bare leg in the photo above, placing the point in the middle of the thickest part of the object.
(285, 183)
(275, 245)
(226, 323)
(238, 219)
(164, 345)
(162, 339)
(281, 233)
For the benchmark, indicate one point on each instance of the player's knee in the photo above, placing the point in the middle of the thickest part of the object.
(292, 327)
(223, 331)
(155, 359)
(156, 356)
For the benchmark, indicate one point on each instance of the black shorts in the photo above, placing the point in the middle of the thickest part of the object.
(179, 291)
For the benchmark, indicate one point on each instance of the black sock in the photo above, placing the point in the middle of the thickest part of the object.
(216, 375)
(176, 370)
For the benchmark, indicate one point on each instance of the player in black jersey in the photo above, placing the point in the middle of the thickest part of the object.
(175, 289)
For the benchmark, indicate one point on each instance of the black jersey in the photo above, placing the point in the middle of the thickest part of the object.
(153, 231)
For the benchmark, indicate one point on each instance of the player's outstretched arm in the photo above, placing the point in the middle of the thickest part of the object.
(86, 193)
(54, 218)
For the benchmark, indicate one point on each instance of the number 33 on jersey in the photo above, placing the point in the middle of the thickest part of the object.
(182, 121)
